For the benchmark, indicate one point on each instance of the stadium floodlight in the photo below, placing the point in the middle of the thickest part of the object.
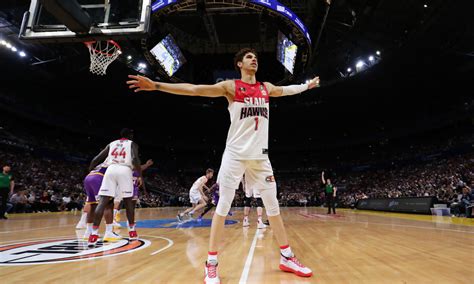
(8, 45)
(142, 65)
(22, 53)
(349, 69)
(371, 58)
(129, 57)
(3, 42)
(377, 52)
(426, 6)
(14, 49)
(360, 64)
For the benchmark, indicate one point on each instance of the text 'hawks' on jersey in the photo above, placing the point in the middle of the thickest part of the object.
(249, 113)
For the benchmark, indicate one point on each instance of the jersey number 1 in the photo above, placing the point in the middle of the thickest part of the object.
(122, 153)
(256, 123)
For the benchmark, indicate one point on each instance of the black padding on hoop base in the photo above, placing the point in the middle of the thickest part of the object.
(70, 13)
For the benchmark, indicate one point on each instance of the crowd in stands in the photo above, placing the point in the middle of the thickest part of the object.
(45, 184)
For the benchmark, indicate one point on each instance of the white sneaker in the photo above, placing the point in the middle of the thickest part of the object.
(291, 264)
(245, 223)
(81, 226)
(112, 237)
(212, 276)
(86, 235)
(260, 225)
(190, 216)
(116, 225)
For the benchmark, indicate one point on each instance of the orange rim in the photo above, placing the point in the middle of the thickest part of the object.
(90, 43)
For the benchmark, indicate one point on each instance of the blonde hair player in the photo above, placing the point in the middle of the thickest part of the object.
(196, 195)
(246, 149)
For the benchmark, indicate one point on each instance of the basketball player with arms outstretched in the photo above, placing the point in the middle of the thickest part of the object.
(196, 195)
(246, 149)
(122, 158)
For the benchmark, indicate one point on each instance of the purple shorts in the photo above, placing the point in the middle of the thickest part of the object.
(92, 184)
(135, 193)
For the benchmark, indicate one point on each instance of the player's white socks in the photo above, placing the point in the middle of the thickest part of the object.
(131, 227)
(95, 230)
(286, 251)
(108, 228)
(83, 218)
(89, 227)
(212, 257)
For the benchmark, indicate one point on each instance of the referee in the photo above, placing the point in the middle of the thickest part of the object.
(330, 191)
(6, 188)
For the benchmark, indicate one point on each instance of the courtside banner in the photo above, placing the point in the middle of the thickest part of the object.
(420, 205)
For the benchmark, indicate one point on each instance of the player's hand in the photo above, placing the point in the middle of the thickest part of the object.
(313, 83)
(149, 163)
(140, 181)
(140, 83)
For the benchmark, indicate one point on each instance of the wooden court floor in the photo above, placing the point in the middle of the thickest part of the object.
(351, 247)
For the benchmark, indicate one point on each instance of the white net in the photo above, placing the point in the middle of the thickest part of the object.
(102, 54)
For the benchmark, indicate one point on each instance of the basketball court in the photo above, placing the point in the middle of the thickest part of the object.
(350, 247)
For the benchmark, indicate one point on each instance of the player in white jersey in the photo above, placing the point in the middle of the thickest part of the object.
(249, 193)
(196, 195)
(122, 157)
(246, 148)
(117, 201)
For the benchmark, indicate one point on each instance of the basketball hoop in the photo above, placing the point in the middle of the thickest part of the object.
(102, 54)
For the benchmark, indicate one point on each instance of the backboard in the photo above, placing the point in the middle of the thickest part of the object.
(85, 20)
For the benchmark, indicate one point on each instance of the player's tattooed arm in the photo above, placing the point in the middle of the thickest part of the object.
(141, 83)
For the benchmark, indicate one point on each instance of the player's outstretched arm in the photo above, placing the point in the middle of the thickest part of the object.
(99, 158)
(141, 83)
(146, 165)
(280, 91)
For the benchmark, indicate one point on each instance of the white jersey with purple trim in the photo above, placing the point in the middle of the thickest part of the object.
(120, 153)
(247, 138)
(198, 184)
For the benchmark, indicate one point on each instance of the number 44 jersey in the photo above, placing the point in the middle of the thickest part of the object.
(120, 153)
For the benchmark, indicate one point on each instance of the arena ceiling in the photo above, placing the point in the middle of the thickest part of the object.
(427, 62)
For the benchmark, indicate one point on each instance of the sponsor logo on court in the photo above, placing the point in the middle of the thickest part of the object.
(174, 223)
(63, 250)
